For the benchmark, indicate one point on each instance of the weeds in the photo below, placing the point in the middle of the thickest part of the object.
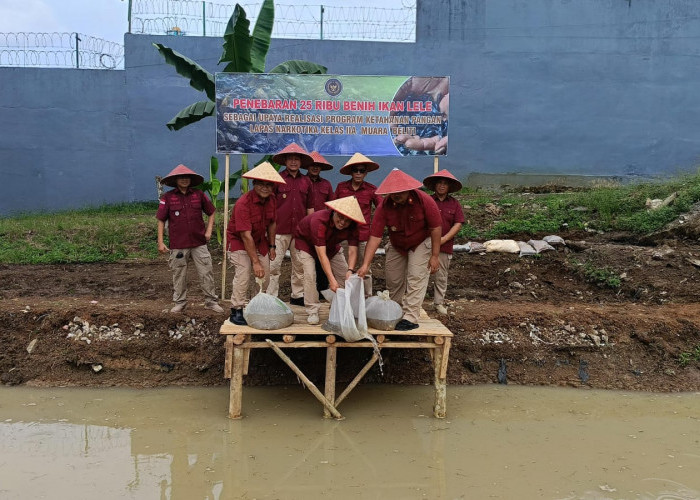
(688, 357)
(601, 276)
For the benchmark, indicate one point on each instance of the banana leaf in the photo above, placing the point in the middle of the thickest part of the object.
(261, 36)
(200, 78)
(237, 43)
(191, 114)
(299, 67)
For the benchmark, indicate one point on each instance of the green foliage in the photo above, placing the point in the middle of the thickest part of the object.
(685, 358)
(601, 276)
(102, 234)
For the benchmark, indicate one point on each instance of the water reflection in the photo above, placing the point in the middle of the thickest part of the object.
(498, 442)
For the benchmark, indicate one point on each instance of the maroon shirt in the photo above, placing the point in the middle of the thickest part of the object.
(254, 214)
(366, 196)
(408, 224)
(318, 230)
(322, 192)
(293, 199)
(451, 212)
(184, 215)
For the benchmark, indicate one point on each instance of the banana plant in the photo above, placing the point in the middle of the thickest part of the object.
(242, 53)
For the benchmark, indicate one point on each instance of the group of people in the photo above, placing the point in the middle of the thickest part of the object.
(330, 234)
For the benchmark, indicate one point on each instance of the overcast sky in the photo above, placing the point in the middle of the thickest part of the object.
(107, 19)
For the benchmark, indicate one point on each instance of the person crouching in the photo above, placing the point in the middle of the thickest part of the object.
(251, 236)
(317, 237)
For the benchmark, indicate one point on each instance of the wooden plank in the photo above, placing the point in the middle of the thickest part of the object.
(331, 357)
(304, 344)
(235, 401)
(357, 379)
(305, 380)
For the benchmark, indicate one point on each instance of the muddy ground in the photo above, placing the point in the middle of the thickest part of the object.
(552, 320)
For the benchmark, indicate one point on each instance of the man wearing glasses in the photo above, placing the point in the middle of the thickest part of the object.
(357, 167)
(251, 235)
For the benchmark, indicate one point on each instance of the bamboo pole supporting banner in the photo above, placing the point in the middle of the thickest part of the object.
(223, 261)
(436, 164)
(305, 380)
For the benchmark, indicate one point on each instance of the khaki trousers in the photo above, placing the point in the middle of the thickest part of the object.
(202, 262)
(284, 243)
(360, 258)
(244, 277)
(441, 278)
(407, 278)
(307, 267)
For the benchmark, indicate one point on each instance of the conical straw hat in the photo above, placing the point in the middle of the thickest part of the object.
(359, 159)
(349, 207)
(293, 149)
(320, 161)
(443, 174)
(169, 180)
(397, 182)
(264, 172)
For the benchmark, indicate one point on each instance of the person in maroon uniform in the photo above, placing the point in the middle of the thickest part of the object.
(317, 240)
(251, 236)
(182, 209)
(322, 188)
(357, 167)
(294, 202)
(442, 184)
(414, 224)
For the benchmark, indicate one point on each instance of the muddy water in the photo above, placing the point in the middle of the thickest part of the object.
(497, 442)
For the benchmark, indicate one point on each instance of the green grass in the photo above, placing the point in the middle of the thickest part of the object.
(128, 231)
(103, 234)
(686, 358)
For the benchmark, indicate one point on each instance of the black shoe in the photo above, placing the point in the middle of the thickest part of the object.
(298, 301)
(237, 317)
(405, 325)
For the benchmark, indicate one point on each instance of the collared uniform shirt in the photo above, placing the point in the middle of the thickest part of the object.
(318, 229)
(451, 213)
(294, 198)
(184, 215)
(366, 197)
(322, 192)
(251, 213)
(408, 224)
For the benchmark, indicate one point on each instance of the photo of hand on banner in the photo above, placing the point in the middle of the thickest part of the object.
(431, 125)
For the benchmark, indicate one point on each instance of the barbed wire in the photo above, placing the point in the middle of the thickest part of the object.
(59, 50)
(192, 17)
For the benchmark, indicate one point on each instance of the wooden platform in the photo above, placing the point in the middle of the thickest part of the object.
(431, 335)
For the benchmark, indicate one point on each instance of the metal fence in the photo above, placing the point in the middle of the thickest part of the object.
(201, 18)
(59, 50)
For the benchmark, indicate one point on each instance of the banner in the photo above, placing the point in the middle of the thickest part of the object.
(332, 114)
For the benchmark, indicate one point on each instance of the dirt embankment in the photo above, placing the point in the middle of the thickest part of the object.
(556, 319)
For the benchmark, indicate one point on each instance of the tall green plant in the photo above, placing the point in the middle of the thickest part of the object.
(242, 53)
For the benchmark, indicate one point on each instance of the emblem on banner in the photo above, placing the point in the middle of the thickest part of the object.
(333, 87)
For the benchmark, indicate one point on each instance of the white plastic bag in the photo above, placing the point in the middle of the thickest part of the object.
(382, 312)
(347, 304)
(267, 312)
(554, 240)
(505, 246)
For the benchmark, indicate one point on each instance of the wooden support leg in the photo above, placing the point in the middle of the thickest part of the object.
(307, 383)
(331, 357)
(228, 356)
(440, 408)
(235, 401)
(357, 379)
